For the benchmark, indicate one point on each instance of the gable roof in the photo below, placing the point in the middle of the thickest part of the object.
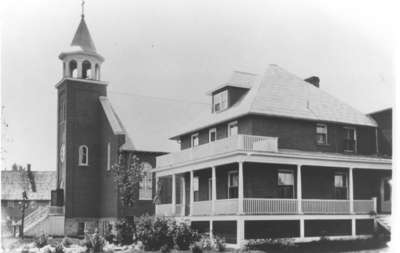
(238, 79)
(147, 122)
(280, 93)
(13, 183)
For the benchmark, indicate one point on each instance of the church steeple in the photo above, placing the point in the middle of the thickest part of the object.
(82, 61)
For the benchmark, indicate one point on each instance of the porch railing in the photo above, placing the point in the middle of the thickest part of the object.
(258, 206)
(164, 210)
(248, 143)
(270, 206)
(202, 207)
(364, 206)
(325, 206)
(226, 206)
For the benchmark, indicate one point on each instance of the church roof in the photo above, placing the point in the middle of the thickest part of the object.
(147, 121)
(13, 183)
(82, 37)
(280, 93)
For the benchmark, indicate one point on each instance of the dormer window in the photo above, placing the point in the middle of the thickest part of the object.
(220, 101)
(195, 140)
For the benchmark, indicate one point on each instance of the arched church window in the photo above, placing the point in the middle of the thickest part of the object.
(86, 70)
(73, 69)
(83, 155)
(146, 185)
(97, 72)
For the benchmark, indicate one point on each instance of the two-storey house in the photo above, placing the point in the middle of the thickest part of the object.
(276, 157)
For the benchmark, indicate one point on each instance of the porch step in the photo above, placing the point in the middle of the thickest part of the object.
(384, 221)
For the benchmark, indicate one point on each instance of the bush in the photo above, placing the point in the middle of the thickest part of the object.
(268, 244)
(41, 241)
(125, 231)
(196, 249)
(94, 241)
(219, 244)
(59, 248)
(183, 236)
(66, 242)
(155, 233)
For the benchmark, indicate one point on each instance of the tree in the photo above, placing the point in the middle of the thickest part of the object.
(127, 175)
(23, 205)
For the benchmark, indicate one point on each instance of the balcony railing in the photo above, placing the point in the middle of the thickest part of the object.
(258, 206)
(247, 143)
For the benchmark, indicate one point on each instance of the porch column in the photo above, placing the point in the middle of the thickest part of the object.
(173, 194)
(351, 194)
(213, 189)
(353, 227)
(211, 230)
(240, 193)
(239, 231)
(191, 196)
(301, 228)
(183, 194)
(299, 189)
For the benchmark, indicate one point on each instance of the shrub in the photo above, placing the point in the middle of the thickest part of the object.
(183, 236)
(66, 242)
(94, 241)
(219, 244)
(268, 244)
(196, 249)
(125, 231)
(155, 233)
(205, 242)
(41, 241)
(59, 248)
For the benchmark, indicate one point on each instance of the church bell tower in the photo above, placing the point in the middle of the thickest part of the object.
(78, 129)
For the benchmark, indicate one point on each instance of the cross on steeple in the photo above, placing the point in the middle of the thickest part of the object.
(83, 8)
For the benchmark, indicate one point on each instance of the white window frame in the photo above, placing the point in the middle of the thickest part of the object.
(192, 140)
(283, 185)
(108, 156)
(146, 184)
(355, 139)
(343, 175)
(80, 150)
(212, 130)
(230, 124)
(324, 128)
(229, 181)
(219, 98)
(196, 193)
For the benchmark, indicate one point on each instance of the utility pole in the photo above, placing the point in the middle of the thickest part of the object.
(24, 206)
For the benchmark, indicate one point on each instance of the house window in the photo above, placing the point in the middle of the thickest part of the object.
(212, 135)
(233, 128)
(196, 188)
(195, 140)
(220, 101)
(233, 184)
(350, 139)
(322, 134)
(108, 156)
(285, 184)
(340, 186)
(83, 155)
(146, 185)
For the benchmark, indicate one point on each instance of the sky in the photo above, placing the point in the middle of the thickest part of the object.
(180, 49)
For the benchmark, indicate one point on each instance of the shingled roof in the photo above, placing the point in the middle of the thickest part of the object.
(147, 122)
(13, 183)
(280, 93)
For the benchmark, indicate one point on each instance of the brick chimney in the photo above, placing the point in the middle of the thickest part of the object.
(314, 80)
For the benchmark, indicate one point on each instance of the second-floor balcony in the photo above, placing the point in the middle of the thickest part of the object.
(236, 143)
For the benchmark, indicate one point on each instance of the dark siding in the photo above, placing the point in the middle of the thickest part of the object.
(83, 120)
(222, 179)
(293, 134)
(262, 229)
(327, 227)
(318, 182)
(203, 175)
(235, 94)
(384, 120)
